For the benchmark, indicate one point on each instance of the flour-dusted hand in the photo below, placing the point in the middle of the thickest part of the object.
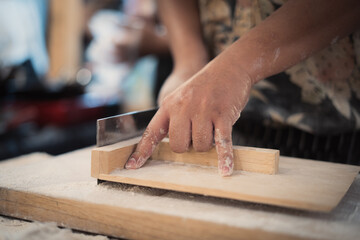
(200, 111)
(205, 107)
(179, 76)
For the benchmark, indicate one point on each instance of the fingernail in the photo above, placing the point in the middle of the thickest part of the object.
(131, 163)
(225, 171)
(141, 161)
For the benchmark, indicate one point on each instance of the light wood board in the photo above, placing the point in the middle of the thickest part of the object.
(300, 184)
(59, 189)
(248, 159)
(108, 158)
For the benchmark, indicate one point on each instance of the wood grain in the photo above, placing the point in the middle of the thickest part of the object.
(106, 159)
(62, 191)
(300, 184)
(249, 159)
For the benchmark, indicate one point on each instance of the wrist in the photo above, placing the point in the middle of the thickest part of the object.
(232, 68)
(189, 53)
(191, 61)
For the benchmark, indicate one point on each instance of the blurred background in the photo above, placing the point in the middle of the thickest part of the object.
(66, 63)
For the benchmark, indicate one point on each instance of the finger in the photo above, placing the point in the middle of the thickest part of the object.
(154, 133)
(179, 134)
(202, 135)
(224, 149)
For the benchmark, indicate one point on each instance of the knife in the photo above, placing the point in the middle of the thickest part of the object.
(122, 127)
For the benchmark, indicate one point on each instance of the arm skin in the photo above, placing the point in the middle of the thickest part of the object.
(209, 103)
(181, 18)
(297, 30)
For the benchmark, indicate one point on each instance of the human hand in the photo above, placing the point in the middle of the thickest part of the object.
(201, 110)
(178, 77)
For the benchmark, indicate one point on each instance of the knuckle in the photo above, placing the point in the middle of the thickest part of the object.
(149, 139)
(149, 135)
(204, 104)
(146, 133)
(179, 102)
(218, 113)
(221, 138)
(227, 139)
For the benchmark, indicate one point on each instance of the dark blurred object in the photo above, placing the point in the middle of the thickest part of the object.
(51, 125)
(36, 118)
(22, 82)
(19, 79)
(163, 70)
(54, 140)
(339, 148)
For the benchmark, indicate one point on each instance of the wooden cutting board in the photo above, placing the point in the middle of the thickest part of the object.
(59, 189)
(301, 184)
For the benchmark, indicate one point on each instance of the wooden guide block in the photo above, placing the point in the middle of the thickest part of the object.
(298, 183)
(245, 158)
(106, 159)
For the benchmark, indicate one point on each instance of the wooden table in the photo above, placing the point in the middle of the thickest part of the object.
(60, 189)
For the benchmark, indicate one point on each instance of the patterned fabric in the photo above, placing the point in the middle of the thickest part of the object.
(320, 95)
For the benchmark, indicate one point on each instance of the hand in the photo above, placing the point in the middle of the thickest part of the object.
(178, 77)
(200, 110)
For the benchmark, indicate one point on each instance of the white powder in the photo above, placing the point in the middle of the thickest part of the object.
(21, 230)
(68, 177)
(277, 54)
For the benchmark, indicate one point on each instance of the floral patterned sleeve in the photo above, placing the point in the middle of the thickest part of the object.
(319, 95)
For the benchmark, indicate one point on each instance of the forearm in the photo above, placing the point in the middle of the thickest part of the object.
(181, 18)
(291, 34)
(154, 43)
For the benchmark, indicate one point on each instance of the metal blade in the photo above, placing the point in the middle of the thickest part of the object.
(122, 127)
